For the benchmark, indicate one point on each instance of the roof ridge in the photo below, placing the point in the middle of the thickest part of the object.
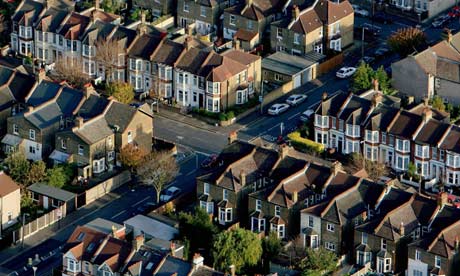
(281, 184)
(447, 228)
(341, 195)
(393, 211)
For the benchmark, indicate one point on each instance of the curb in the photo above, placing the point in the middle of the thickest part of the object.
(186, 123)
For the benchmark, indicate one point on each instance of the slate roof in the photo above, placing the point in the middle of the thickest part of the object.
(405, 124)
(452, 140)
(93, 106)
(167, 52)
(124, 36)
(51, 20)
(7, 185)
(432, 132)
(97, 30)
(120, 115)
(307, 22)
(44, 91)
(28, 12)
(93, 130)
(144, 262)
(192, 60)
(331, 106)
(356, 110)
(172, 265)
(381, 117)
(50, 191)
(144, 46)
(14, 86)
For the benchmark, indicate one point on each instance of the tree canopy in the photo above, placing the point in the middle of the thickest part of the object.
(438, 103)
(407, 40)
(121, 91)
(240, 247)
(18, 166)
(131, 156)
(364, 77)
(318, 262)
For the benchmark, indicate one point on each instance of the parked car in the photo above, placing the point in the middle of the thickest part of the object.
(368, 59)
(306, 115)
(277, 109)
(296, 99)
(381, 17)
(169, 194)
(381, 51)
(209, 162)
(345, 72)
(360, 11)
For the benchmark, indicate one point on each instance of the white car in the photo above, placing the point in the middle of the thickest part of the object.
(296, 99)
(169, 194)
(345, 72)
(360, 11)
(307, 115)
(278, 109)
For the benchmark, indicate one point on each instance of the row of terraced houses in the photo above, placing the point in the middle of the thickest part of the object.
(375, 126)
(382, 225)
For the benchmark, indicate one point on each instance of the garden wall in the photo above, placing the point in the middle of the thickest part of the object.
(107, 186)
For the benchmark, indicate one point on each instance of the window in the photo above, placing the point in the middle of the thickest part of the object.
(402, 162)
(72, 265)
(186, 8)
(372, 136)
(32, 134)
(353, 130)
(15, 129)
(258, 205)
(364, 238)
(130, 136)
(417, 273)
(279, 33)
(36, 197)
(232, 20)
(384, 137)
(296, 38)
(278, 77)
(310, 222)
(208, 206)
(402, 145)
(453, 160)
(225, 194)
(383, 244)
(241, 96)
(206, 188)
(279, 229)
(330, 227)
(422, 151)
(441, 155)
(99, 165)
(110, 155)
(329, 246)
(225, 215)
(250, 24)
(63, 143)
(277, 211)
(257, 225)
(80, 150)
(203, 11)
(437, 261)
(418, 256)
(321, 121)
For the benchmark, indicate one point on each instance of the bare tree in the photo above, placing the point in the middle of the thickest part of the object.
(107, 55)
(70, 70)
(157, 170)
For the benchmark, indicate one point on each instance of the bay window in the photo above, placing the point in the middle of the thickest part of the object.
(402, 162)
(99, 165)
(225, 215)
(453, 160)
(279, 229)
(422, 151)
(321, 121)
(372, 136)
(207, 206)
(402, 145)
(257, 225)
(73, 265)
(353, 130)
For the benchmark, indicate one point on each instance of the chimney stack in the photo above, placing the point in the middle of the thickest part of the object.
(232, 137)
(96, 4)
(336, 167)
(88, 89)
(402, 229)
(427, 114)
(188, 43)
(449, 36)
(143, 17)
(295, 12)
(377, 98)
(138, 242)
(40, 75)
(283, 151)
(172, 248)
(79, 122)
(236, 43)
(114, 231)
(248, 3)
(426, 101)
(197, 261)
(375, 82)
(295, 196)
(442, 199)
(324, 96)
(190, 30)
(243, 178)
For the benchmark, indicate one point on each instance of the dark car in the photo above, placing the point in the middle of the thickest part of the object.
(209, 162)
(368, 59)
(381, 17)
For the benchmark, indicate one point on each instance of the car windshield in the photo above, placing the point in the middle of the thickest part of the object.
(342, 70)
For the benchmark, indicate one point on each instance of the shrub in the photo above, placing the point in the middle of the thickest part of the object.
(222, 117)
(230, 115)
(304, 144)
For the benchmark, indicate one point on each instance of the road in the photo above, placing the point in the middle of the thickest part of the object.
(120, 206)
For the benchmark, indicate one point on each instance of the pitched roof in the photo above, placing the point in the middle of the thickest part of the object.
(192, 60)
(51, 20)
(432, 132)
(241, 57)
(405, 124)
(112, 252)
(167, 52)
(43, 92)
(120, 115)
(81, 239)
(28, 12)
(452, 140)
(172, 265)
(332, 11)
(144, 46)
(7, 185)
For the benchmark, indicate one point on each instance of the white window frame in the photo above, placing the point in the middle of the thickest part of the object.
(330, 227)
(277, 211)
(81, 150)
(15, 129)
(329, 246)
(32, 135)
(130, 136)
(258, 205)
(437, 261)
(206, 188)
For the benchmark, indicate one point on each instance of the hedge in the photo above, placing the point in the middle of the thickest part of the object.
(304, 144)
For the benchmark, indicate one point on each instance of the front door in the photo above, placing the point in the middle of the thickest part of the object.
(201, 100)
(45, 202)
(340, 144)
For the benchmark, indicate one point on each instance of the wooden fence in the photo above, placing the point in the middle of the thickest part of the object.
(39, 223)
(330, 64)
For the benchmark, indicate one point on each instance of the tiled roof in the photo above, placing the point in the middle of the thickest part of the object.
(332, 11)
(167, 52)
(144, 46)
(7, 185)
(405, 124)
(80, 240)
(452, 140)
(432, 132)
(241, 57)
(28, 12)
(172, 265)
(120, 115)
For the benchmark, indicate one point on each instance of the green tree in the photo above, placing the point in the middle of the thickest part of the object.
(271, 247)
(362, 79)
(57, 177)
(438, 103)
(37, 173)
(18, 166)
(131, 156)
(121, 91)
(240, 247)
(198, 230)
(318, 262)
(407, 40)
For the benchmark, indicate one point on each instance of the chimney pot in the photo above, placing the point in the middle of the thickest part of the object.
(41, 75)
(283, 151)
(324, 96)
(96, 5)
(336, 167)
(427, 114)
(375, 82)
(79, 121)
(138, 242)
(236, 43)
(442, 199)
(295, 12)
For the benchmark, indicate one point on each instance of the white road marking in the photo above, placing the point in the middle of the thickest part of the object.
(180, 137)
(293, 116)
(118, 214)
(141, 201)
(190, 173)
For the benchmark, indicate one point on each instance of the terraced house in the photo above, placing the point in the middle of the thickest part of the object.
(203, 15)
(373, 124)
(324, 25)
